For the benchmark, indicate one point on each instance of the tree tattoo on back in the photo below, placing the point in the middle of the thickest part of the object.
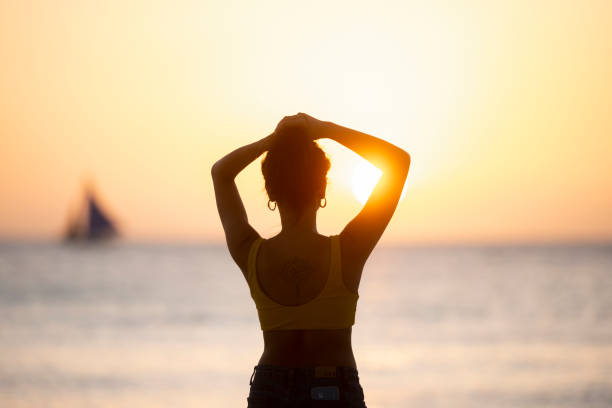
(295, 272)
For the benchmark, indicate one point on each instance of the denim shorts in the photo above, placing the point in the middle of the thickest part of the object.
(286, 387)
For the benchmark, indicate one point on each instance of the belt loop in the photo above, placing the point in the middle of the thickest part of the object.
(252, 375)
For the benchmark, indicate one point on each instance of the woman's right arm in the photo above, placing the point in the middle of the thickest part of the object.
(238, 232)
(362, 233)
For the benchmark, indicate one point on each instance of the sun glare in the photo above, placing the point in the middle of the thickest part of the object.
(365, 177)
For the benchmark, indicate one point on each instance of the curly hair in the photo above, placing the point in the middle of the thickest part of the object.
(295, 169)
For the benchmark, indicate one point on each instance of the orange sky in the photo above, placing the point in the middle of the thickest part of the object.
(505, 109)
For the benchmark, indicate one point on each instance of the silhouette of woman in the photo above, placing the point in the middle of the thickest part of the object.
(304, 284)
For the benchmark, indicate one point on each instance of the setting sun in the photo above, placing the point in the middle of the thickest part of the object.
(364, 179)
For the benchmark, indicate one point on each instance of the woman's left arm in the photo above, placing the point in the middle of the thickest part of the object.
(238, 233)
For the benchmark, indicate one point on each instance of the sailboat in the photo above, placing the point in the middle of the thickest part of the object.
(90, 223)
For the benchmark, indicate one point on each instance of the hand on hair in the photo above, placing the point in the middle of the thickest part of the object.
(314, 126)
(294, 120)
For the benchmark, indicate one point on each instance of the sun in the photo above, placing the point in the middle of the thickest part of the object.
(365, 177)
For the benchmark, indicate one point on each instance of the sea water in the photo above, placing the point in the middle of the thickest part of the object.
(127, 325)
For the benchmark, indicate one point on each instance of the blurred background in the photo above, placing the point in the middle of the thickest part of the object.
(490, 286)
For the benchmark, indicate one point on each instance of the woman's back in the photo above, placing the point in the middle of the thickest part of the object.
(308, 348)
(292, 270)
(295, 271)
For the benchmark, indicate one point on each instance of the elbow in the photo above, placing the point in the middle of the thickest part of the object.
(399, 164)
(222, 171)
(404, 161)
(216, 171)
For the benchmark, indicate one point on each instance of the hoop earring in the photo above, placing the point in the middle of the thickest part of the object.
(324, 203)
(270, 207)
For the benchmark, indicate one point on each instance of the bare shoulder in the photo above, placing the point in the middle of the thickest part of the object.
(240, 252)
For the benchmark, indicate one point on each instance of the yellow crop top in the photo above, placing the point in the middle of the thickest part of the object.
(333, 308)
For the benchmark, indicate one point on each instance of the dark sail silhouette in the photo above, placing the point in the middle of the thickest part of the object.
(91, 223)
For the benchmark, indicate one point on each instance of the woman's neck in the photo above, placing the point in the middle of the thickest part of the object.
(293, 222)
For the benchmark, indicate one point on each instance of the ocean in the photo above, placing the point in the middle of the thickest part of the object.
(135, 325)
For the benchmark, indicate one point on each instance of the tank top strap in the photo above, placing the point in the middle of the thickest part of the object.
(252, 259)
(335, 270)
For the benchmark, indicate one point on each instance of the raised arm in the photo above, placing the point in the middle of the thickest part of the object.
(361, 234)
(238, 233)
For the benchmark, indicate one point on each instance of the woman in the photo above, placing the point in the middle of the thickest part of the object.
(304, 284)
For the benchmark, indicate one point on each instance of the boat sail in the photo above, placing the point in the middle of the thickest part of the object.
(91, 223)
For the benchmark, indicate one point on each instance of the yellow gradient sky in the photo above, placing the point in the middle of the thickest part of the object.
(504, 106)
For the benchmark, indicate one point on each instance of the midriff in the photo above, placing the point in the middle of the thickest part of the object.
(308, 348)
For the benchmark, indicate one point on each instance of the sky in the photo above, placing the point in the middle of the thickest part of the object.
(504, 108)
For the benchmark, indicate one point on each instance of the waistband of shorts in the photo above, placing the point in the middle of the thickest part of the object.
(341, 373)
